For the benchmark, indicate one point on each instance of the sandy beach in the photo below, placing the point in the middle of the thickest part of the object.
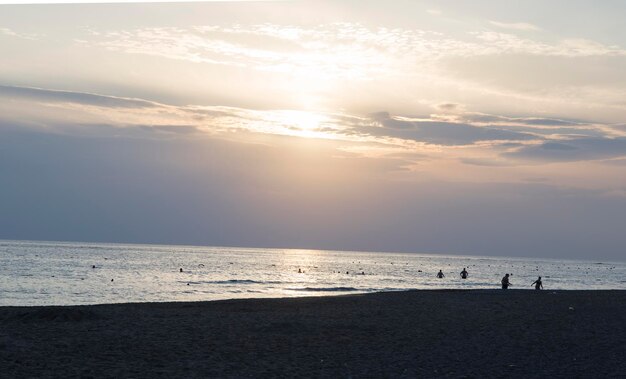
(477, 333)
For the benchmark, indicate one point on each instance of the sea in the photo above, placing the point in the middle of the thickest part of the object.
(69, 273)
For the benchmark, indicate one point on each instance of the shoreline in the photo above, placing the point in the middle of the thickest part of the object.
(184, 302)
(419, 333)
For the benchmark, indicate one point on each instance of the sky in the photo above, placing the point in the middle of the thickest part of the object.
(482, 128)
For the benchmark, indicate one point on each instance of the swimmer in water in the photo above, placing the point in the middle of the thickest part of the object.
(464, 273)
(538, 284)
(505, 282)
(440, 274)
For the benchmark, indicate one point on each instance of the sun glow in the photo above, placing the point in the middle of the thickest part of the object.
(302, 124)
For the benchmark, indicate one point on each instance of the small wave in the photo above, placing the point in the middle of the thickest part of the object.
(242, 281)
(235, 281)
(325, 289)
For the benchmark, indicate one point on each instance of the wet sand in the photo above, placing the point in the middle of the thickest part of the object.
(475, 333)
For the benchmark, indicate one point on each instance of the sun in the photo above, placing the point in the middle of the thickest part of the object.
(303, 124)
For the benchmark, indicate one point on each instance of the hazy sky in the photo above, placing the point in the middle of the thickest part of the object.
(482, 127)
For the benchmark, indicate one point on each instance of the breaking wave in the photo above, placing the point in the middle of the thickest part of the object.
(325, 289)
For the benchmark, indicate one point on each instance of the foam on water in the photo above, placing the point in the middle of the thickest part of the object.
(50, 273)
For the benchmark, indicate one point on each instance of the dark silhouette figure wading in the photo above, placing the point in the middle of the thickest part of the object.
(505, 282)
(464, 273)
(538, 284)
(440, 274)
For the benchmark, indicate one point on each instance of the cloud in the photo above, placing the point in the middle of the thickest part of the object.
(175, 129)
(615, 162)
(515, 25)
(554, 127)
(12, 33)
(530, 121)
(449, 107)
(486, 162)
(436, 132)
(621, 127)
(578, 149)
(501, 140)
(494, 43)
(336, 50)
(56, 96)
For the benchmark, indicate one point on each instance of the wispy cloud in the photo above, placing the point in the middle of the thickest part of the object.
(479, 140)
(347, 50)
(47, 95)
(515, 25)
(506, 43)
(436, 132)
(12, 33)
(332, 46)
(577, 149)
(501, 140)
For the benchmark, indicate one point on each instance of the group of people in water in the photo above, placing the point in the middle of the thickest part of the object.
(505, 280)
(464, 274)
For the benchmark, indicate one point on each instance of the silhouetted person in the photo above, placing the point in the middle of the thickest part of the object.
(299, 271)
(440, 274)
(181, 270)
(538, 284)
(464, 273)
(94, 266)
(505, 282)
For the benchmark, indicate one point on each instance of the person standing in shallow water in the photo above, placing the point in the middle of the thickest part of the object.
(464, 273)
(538, 284)
(505, 282)
(440, 274)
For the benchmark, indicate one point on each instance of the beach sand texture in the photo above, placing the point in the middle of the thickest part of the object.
(440, 333)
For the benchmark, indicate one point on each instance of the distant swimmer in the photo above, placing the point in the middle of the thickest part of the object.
(505, 282)
(181, 269)
(464, 273)
(299, 271)
(440, 274)
(538, 284)
(94, 266)
(362, 272)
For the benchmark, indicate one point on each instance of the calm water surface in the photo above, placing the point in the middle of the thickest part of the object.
(55, 273)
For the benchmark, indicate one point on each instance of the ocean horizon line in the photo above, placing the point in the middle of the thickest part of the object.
(425, 254)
